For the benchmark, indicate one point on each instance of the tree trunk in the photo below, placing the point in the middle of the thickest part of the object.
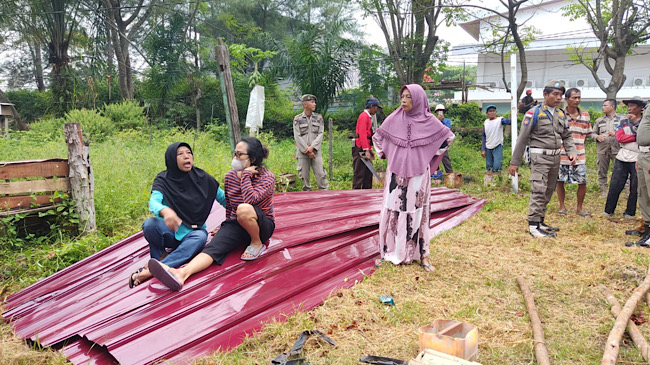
(82, 181)
(37, 58)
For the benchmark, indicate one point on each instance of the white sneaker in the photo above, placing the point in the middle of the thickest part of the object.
(627, 216)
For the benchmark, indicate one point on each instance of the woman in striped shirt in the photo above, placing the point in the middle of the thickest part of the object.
(249, 188)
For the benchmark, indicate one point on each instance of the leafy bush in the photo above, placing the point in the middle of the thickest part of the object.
(125, 115)
(94, 125)
(32, 104)
(50, 129)
(466, 115)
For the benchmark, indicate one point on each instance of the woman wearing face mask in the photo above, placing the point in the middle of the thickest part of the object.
(249, 220)
(413, 141)
(181, 200)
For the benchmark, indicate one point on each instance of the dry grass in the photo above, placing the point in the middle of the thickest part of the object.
(474, 281)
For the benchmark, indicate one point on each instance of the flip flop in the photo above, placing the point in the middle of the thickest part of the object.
(427, 267)
(161, 272)
(561, 212)
(378, 262)
(584, 214)
(135, 282)
(254, 252)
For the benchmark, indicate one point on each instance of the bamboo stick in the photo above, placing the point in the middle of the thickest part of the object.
(541, 353)
(613, 341)
(632, 329)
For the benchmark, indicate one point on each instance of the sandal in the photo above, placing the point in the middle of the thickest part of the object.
(584, 214)
(135, 282)
(254, 253)
(561, 212)
(378, 262)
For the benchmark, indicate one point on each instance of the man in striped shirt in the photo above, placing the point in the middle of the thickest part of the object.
(580, 127)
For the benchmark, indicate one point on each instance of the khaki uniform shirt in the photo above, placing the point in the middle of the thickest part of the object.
(643, 133)
(547, 133)
(308, 131)
(601, 127)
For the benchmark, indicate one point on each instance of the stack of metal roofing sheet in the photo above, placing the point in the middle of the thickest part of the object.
(323, 241)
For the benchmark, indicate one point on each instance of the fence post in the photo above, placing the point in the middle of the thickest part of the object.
(82, 180)
(329, 122)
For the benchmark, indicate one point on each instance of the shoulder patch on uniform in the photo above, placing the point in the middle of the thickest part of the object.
(526, 121)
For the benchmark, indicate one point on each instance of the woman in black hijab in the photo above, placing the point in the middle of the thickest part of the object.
(181, 200)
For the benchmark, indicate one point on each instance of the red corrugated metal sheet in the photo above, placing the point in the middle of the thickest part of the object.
(323, 241)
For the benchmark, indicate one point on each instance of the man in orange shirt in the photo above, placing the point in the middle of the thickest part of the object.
(362, 149)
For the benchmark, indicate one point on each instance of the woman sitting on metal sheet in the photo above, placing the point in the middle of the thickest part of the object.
(181, 200)
(249, 220)
(413, 141)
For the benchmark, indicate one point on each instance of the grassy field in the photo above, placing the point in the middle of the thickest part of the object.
(475, 264)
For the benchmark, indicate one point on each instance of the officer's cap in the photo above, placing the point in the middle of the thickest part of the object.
(556, 84)
(307, 97)
(636, 100)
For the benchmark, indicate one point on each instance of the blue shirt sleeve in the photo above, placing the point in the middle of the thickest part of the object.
(156, 203)
(505, 121)
(221, 197)
(483, 140)
(446, 122)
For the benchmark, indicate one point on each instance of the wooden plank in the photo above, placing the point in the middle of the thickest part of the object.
(25, 201)
(22, 169)
(35, 186)
(7, 213)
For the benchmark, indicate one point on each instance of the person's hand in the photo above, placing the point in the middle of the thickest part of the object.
(214, 230)
(611, 133)
(370, 154)
(309, 150)
(513, 169)
(483, 154)
(573, 159)
(252, 170)
(172, 220)
(600, 138)
(311, 155)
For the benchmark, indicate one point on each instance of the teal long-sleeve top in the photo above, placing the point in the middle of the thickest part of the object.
(157, 203)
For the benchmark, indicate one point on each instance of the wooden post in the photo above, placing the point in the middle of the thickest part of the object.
(228, 91)
(82, 181)
(5, 121)
(330, 139)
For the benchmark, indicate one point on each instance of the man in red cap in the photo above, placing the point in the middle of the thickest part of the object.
(527, 102)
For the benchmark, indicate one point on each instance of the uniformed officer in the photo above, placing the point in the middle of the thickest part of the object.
(545, 129)
(606, 146)
(643, 174)
(308, 128)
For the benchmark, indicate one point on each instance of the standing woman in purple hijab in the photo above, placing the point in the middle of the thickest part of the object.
(413, 141)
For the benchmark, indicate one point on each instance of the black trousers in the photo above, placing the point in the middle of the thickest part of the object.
(361, 177)
(622, 170)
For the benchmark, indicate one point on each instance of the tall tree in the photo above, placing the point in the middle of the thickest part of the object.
(124, 22)
(619, 25)
(508, 32)
(319, 61)
(409, 27)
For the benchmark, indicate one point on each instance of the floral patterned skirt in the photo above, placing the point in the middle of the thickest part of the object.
(404, 218)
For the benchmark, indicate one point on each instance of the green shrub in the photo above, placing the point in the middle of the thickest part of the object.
(125, 115)
(32, 105)
(49, 129)
(95, 126)
(466, 115)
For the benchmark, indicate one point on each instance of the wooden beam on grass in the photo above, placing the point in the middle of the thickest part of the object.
(541, 353)
(613, 341)
(632, 329)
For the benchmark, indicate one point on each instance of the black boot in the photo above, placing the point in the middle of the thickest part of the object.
(548, 228)
(535, 230)
(643, 242)
(634, 232)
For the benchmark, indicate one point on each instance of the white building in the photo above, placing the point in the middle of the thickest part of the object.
(548, 58)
